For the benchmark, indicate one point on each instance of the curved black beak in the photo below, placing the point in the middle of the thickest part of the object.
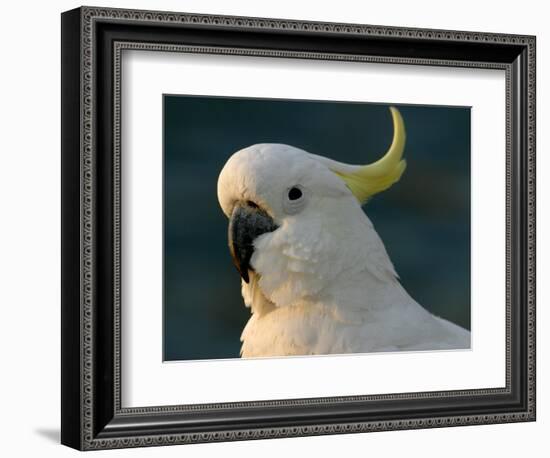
(247, 222)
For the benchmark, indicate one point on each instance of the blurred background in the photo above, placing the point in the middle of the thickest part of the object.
(423, 220)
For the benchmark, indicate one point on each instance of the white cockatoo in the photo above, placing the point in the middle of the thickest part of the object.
(315, 273)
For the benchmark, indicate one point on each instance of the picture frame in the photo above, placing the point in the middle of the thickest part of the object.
(93, 416)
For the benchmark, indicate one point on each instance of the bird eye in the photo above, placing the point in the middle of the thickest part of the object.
(294, 193)
(294, 199)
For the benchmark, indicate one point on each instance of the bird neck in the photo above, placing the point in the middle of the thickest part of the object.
(364, 291)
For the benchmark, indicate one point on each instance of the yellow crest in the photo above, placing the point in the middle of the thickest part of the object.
(366, 180)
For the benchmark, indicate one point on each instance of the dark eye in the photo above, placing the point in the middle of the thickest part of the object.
(294, 194)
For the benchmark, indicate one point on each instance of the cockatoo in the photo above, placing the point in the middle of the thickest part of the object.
(315, 274)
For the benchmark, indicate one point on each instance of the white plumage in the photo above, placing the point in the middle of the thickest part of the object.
(322, 281)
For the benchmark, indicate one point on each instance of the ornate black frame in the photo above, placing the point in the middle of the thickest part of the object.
(92, 42)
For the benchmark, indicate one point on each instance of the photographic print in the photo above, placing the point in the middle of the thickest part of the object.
(295, 204)
(299, 227)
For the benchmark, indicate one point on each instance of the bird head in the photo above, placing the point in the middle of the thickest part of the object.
(293, 214)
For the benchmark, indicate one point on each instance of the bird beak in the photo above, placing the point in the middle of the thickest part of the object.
(246, 223)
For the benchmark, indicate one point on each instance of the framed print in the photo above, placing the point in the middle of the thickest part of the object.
(277, 228)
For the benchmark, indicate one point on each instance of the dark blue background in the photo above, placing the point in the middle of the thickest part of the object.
(424, 219)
